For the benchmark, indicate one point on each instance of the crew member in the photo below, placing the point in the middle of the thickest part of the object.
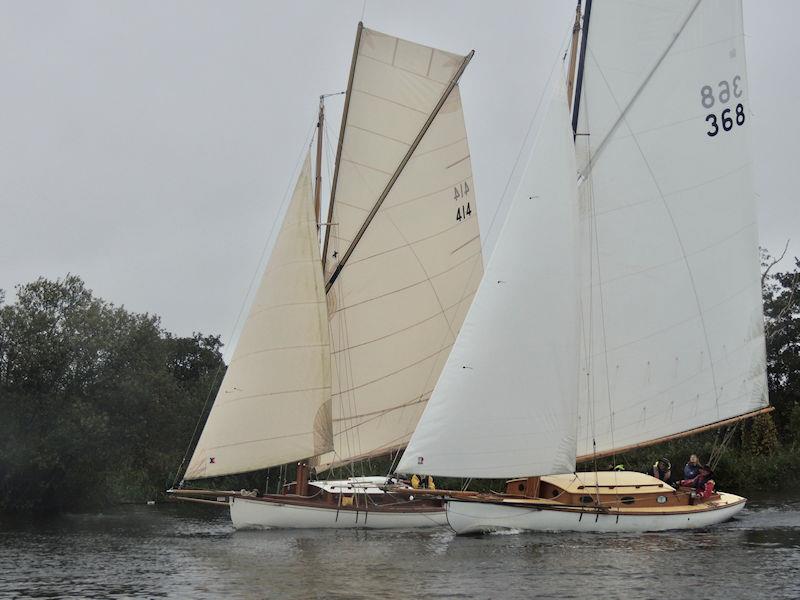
(692, 468)
(662, 469)
(702, 485)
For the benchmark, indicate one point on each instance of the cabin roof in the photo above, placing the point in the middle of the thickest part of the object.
(578, 483)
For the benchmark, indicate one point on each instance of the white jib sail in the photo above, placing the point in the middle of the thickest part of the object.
(671, 298)
(398, 303)
(273, 406)
(505, 404)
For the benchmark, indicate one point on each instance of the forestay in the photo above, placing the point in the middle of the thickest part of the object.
(671, 301)
(273, 406)
(398, 303)
(505, 405)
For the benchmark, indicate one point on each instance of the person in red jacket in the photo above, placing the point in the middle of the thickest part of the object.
(702, 485)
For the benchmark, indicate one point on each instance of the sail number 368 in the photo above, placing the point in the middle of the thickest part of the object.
(723, 94)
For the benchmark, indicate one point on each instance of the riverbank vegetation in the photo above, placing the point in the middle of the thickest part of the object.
(98, 404)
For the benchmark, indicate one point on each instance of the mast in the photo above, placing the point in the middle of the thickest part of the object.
(581, 64)
(340, 143)
(399, 170)
(318, 176)
(573, 54)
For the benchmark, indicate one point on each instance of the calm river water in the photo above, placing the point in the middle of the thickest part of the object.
(182, 551)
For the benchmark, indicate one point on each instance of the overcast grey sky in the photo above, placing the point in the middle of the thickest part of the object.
(147, 146)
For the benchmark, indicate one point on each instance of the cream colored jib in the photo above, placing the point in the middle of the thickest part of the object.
(398, 303)
(672, 319)
(505, 404)
(273, 406)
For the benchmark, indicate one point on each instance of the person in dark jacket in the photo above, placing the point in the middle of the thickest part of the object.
(692, 468)
(662, 469)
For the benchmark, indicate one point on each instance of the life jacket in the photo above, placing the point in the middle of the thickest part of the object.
(705, 490)
(691, 471)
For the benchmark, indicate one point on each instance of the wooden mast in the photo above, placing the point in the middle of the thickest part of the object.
(573, 54)
(318, 178)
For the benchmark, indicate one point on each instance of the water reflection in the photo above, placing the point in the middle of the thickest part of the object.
(186, 551)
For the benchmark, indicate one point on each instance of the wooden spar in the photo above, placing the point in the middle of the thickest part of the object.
(318, 178)
(675, 436)
(399, 169)
(573, 54)
(199, 501)
(329, 220)
(581, 64)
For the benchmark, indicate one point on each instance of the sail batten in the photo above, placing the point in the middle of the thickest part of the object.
(273, 405)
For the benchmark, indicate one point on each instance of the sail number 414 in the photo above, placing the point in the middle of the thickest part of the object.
(460, 195)
(722, 95)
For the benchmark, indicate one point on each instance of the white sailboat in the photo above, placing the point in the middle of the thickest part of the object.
(342, 348)
(621, 307)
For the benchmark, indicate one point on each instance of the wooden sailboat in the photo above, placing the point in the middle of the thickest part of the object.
(620, 309)
(342, 347)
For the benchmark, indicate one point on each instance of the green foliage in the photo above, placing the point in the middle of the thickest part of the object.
(98, 403)
(760, 437)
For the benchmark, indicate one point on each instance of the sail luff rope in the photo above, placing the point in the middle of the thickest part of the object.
(258, 270)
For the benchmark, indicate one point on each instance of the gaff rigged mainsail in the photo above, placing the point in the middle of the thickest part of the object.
(404, 219)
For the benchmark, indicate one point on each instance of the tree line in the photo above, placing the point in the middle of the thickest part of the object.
(97, 402)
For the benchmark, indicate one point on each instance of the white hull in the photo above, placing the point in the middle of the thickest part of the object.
(481, 517)
(257, 514)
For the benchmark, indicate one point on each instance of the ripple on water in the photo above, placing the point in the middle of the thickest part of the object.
(178, 551)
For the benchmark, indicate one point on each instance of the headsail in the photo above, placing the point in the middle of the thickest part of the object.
(273, 406)
(672, 317)
(398, 303)
(505, 403)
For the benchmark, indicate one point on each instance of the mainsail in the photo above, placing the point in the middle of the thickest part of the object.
(505, 403)
(672, 319)
(404, 217)
(273, 406)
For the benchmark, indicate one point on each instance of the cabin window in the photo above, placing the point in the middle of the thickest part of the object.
(555, 493)
(661, 499)
(521, 487)
(586, 499)
(627, 499)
